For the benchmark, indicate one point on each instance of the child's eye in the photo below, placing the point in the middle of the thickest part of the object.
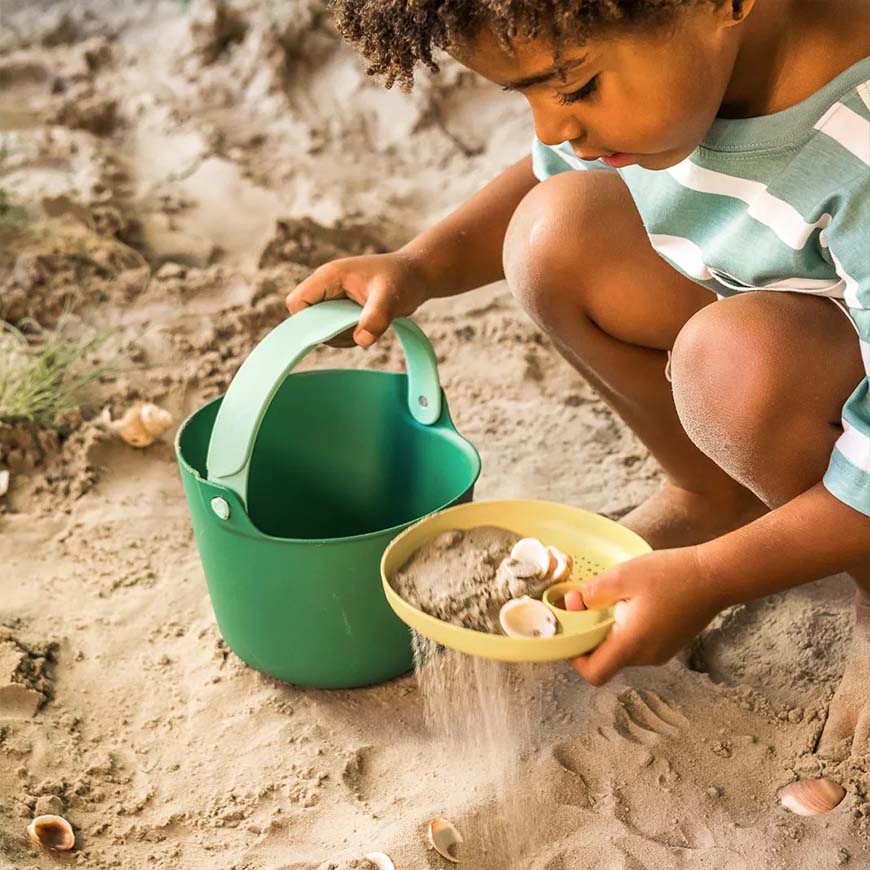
(583, 93)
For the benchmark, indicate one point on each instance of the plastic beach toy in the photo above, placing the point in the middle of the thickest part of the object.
(296, 483)
(594, 542)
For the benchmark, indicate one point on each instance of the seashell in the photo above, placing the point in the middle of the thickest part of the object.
(142, 424)
(4, 482)
(812, 797)
(564, 565)
(532, 550)
(381, 860)
(574, 600)
(526, 617)
(53, 833)
(444, 839)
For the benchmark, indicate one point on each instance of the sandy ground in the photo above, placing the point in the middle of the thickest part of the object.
(228, 154)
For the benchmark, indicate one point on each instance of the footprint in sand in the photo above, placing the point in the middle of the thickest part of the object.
(561, 770)
(643, 717)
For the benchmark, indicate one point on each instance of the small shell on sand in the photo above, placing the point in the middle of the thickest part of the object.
(142, 424)
(381, 860)
(444, 839)
(53, 833)
(812, 797)
(4, 482)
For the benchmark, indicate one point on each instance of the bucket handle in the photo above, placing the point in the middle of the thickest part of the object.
(252, 389)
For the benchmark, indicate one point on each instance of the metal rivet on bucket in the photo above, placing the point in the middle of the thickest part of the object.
(221, 507)
(424, 401)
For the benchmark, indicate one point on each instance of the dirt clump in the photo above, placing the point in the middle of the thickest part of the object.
(26, 682)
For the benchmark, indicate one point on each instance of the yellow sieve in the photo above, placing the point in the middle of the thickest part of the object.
(594, 542)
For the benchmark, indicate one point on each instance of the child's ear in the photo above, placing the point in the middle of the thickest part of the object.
(732, 12)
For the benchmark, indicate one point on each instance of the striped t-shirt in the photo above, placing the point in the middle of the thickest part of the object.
(779, 202)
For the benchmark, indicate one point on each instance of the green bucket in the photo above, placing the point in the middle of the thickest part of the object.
(296, 484)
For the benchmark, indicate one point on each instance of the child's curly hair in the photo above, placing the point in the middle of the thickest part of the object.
(397, 34)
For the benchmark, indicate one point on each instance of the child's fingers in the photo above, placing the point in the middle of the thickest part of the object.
(604, 590)
(606, 661)
(319, 286)
(374, 320)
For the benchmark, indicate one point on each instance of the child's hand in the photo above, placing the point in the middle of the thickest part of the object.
(386, 285)
(663, 600)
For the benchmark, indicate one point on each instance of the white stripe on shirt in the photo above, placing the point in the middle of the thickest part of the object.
(846, 126)
(855, 446)
(776, 214)
(850, 294)
(816, 286)
(570, 159)
(864, 93)
(684, 252)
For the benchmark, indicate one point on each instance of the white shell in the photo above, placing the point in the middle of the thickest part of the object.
(53, 833)
(444, 838)
(381, 860)
(812, 797)
(142, 424)
(526, 617)
(4, 482)
(532, 550)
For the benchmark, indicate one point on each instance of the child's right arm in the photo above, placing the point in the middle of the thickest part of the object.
(459, 253)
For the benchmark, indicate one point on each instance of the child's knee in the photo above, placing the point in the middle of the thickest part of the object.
(724, 382)
(552, 238)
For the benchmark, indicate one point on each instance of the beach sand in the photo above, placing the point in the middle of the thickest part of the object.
(229, 151)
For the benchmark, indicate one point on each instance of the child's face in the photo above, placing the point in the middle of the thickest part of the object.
(650, 97)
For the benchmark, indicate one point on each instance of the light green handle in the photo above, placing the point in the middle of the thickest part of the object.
(256, 382)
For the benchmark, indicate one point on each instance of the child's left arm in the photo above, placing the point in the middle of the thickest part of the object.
(667, 597)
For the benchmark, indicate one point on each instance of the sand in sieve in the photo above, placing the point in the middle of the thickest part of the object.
(453, 577)
(483, 716)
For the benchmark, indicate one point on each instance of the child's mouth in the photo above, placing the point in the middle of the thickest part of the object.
(617, 159)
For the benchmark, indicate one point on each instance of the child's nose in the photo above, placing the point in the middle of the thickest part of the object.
(556, 124)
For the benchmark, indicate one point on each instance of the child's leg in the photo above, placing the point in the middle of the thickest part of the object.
(579, 260)
(759, 379)
(759, 383)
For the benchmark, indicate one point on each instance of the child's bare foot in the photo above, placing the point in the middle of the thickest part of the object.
(848, 726)
(675, 517)
(847, 730)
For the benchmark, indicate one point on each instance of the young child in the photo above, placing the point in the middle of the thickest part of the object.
(686, 151)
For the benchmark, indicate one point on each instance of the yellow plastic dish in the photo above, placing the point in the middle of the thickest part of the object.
(594, 542)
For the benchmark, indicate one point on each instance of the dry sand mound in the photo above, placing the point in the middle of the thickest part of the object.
(229, 150)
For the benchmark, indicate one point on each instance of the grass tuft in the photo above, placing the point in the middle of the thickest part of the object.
(45, 373)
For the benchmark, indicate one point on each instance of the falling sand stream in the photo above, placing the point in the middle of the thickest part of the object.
(486, 714)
